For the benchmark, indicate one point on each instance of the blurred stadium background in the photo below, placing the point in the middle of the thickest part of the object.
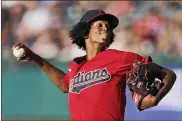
(146, 27)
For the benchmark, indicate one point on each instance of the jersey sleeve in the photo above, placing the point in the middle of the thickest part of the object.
(126, 61)
(67, 77)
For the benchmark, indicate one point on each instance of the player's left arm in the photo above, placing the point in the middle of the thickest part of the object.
(168, 82)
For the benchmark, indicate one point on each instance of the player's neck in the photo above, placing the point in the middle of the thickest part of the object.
(92, 50)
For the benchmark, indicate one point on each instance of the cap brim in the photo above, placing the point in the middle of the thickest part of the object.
(112, 20)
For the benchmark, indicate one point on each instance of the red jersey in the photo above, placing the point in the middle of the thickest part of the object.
(97, 87)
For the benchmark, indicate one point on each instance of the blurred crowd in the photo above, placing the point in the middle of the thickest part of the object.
(146, 27)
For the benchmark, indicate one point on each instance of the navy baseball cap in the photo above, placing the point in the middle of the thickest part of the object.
(98, 14)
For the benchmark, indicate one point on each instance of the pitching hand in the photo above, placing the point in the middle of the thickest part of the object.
(29, 55)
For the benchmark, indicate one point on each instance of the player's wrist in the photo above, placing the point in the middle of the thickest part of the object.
(154, 100)
(36, 58)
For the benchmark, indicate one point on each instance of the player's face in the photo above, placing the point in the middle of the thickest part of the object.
(99, 32)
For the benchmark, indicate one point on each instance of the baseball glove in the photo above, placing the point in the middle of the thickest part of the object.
(144, 78)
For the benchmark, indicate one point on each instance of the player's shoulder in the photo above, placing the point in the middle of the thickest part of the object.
(126, 55)
(77, 60)
(114, 51)
(120, 52)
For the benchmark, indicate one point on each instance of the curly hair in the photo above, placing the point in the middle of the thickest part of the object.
(80, 31)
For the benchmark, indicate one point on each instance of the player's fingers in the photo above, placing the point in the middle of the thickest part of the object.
(21, 59)
(17, 45)
(24, 58)
(18, 59)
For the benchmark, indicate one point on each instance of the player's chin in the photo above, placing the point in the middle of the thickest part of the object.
(106, 40)
(104, 44)
(103, 40)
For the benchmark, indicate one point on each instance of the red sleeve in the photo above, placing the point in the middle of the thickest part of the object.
(67, 77)
(126, 61)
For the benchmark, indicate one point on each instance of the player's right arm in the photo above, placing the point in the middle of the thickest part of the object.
(54, 74)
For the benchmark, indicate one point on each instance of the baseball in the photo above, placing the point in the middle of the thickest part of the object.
(18, 53)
